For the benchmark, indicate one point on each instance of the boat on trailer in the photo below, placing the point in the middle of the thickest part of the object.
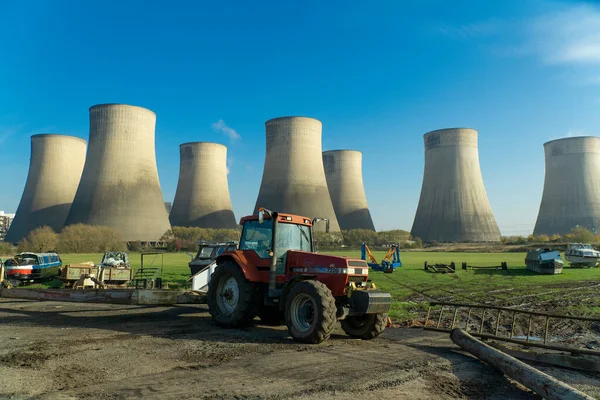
(544, 261)
(29, 267)
(582, 255)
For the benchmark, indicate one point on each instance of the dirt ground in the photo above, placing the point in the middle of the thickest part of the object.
(52, 350)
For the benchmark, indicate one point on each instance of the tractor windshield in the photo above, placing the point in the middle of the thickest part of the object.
(293, 237)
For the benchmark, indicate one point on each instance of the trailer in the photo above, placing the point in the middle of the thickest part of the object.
(440, 268)
(104, 295)
(503, 266)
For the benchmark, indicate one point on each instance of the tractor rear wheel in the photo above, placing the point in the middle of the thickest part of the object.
(366, 326)
(233, 301)
(310, 312)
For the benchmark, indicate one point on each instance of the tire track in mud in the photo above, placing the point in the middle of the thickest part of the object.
(427, 295)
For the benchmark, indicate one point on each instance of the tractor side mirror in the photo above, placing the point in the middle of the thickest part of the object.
(315, 220)
(261, 216)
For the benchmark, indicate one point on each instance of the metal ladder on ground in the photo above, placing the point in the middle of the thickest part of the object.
(487, 321)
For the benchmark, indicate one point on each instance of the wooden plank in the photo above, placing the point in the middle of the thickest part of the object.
(582, 362)
(111, 296)
(541, 383)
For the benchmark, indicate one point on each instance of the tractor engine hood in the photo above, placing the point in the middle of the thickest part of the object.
(322, 263)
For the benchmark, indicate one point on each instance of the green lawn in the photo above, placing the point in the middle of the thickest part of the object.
(411, 286)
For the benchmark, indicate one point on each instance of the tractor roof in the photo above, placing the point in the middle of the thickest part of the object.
(286, 218)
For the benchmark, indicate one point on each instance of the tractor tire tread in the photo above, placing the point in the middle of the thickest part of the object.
(368, 332)
(249, 297)
(326, 324)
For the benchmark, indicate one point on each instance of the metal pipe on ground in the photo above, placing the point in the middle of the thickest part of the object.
(543, 384)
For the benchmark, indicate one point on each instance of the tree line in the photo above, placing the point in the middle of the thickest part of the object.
(80, 238)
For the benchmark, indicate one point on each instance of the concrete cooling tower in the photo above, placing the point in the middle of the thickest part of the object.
(343, 170)
(571, 187)
(454, 206)
(119, 186)
(202, 197)
(54, 172)
(293, 179)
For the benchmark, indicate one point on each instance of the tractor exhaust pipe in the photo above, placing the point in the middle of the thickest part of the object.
(273, 252)
(273, 267)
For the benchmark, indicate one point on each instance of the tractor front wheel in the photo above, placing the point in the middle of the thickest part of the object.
(310, 312)
(233, 301)
(366, 326)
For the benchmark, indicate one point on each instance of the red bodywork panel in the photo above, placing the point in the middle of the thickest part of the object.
(333, 271)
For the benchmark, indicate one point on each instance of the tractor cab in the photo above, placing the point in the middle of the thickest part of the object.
(272, 235)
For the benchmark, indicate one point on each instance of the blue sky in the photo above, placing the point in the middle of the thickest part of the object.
(377, 75)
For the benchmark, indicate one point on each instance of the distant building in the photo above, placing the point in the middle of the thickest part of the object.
(168, 206)
(5, 221)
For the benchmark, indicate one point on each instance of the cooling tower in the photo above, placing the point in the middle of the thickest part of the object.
(119, 186)
(571, 187)
(453, 206)
(202, 197)
(343, 170)
(294, 179)
(54, 172)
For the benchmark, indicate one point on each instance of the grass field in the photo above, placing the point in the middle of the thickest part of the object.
(573, 291)
(411, 287)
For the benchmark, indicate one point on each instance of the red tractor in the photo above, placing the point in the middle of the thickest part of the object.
(276, 275)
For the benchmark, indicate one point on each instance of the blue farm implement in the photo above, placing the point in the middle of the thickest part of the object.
(390, 262)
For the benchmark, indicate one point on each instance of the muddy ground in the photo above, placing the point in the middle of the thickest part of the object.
(52, 350)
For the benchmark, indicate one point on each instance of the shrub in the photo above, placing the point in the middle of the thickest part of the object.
(134, 246)
(80, 238)
(393, 236)
(355, 237)
(581, 234)
(328, 240)
(415, 243)
(7, 249)
(39, 240)
(182, 238)
(543, 238)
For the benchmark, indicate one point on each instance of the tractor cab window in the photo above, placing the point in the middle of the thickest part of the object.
(257, 237)
(293, 237)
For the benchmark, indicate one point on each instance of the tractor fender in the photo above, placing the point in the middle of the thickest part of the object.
(249, 269)
(289, 284)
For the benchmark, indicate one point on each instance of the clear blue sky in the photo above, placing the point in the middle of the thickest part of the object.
(377, 75)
